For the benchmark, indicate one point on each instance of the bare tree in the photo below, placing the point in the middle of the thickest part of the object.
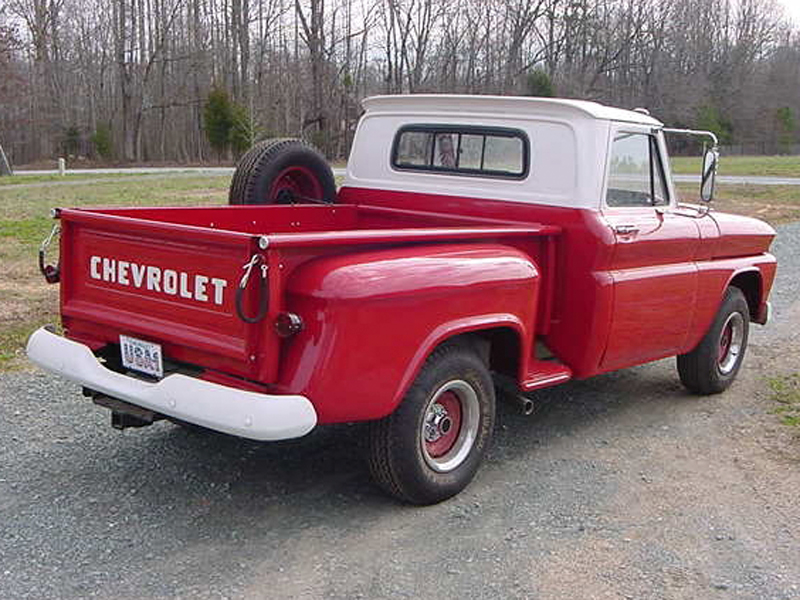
(135, 74)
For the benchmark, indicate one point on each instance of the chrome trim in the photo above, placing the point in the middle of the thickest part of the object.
(468, 434)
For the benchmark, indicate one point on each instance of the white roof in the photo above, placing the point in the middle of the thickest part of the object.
(512, 105)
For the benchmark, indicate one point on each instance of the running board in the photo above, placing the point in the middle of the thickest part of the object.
(544, 373)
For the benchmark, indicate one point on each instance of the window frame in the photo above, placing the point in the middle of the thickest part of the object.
(657, 158)
(436, 129)
(654, 148)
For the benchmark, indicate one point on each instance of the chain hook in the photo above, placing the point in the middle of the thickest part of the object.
(52, 274)
(247, 269)
(263, 291)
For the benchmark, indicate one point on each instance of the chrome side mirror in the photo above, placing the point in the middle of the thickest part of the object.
(710, 160)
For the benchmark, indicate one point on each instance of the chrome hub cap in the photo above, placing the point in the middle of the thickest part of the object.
(450, 426)
(730, 343)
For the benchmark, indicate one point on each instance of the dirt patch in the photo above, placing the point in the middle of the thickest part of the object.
(772, 213)
(774, 204)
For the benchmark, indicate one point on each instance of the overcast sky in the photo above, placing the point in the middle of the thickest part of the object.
(792, 9)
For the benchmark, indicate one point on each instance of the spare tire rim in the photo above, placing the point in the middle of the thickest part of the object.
(295, 183)
(450, 426)
(731, 340)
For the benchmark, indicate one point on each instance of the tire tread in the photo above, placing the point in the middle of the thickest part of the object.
(385, 455)
(257, 161)
(698, 368)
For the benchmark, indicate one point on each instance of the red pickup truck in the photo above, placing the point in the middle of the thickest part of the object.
(476, 242)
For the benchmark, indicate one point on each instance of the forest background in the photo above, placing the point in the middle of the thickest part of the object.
(193, 81)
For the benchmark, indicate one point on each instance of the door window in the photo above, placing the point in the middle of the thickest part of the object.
(636, 174)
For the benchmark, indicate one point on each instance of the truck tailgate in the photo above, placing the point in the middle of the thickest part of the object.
(167, 283)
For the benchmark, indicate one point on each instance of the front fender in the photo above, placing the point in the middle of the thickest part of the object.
(372, 318)
(715, 277)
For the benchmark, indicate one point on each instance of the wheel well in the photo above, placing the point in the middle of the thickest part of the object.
(750, 284)
(500, 349)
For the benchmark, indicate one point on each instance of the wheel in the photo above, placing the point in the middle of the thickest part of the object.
(282, 171)
(712, 366)
(430, 447)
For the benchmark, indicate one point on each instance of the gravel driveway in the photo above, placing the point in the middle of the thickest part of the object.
(622, 486)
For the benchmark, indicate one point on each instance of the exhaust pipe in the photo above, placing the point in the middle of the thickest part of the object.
(509, 391)
(525, 405)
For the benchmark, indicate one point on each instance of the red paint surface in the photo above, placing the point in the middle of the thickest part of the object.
(382, 277)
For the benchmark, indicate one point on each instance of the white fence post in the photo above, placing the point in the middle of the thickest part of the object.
(5, 167)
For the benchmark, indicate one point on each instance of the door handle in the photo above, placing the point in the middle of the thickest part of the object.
(625, 229)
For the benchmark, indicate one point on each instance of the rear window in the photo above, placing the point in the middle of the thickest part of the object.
(462, 150)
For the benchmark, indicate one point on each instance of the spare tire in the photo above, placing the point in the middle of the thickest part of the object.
(282, 171)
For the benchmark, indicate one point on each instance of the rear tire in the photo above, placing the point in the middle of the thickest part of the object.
(282, 171)
(430, 447)
(713, 365)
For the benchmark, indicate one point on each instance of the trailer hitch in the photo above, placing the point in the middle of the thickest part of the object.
(52, 274)
(262, 291)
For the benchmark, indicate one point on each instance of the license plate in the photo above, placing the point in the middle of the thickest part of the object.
(141, 356)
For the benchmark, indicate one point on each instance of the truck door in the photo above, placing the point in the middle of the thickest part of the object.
(653, 269)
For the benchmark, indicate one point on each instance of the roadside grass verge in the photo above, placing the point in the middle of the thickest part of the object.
(770, 166)
(785, 391)
(71, 177)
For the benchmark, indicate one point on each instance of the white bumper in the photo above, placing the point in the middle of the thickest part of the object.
(238, 412)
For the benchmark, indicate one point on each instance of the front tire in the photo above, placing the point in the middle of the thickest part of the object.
(713, 365)
(430, 447)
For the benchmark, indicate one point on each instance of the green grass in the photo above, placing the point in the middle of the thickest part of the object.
(26, 179)
(162, 190)
(26, 231)
(772, 166)
(785, 391)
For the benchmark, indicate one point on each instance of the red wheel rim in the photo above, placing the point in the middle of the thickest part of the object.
(446, 426)
(295, 182)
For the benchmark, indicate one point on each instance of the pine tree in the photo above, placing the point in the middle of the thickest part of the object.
(218, 120)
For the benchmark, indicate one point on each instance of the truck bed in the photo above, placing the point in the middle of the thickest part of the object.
(169, 275)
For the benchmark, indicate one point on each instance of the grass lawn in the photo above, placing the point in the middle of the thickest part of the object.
(772, 166)
(27, 302)
(70, 177)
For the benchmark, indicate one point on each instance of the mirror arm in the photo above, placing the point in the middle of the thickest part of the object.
(698, 132)
(709, 169)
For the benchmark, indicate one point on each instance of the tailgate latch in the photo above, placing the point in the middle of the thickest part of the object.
(52, 274)
(262, 290)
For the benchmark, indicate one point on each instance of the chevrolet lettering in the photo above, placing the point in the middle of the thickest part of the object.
(167, 281)
(479, 248)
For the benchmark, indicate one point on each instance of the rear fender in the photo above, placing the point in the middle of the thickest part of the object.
(372, 318)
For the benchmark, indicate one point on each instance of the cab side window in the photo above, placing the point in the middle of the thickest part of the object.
(636, 176)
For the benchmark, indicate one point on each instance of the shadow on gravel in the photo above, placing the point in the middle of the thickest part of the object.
(636, 397)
